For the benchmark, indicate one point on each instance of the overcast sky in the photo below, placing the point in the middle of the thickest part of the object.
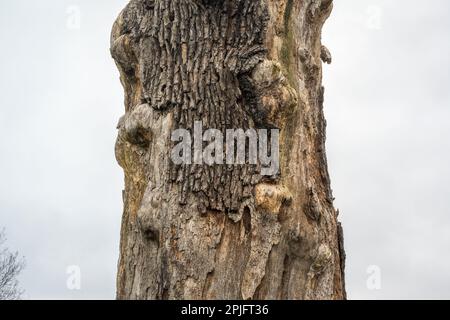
(388, 112)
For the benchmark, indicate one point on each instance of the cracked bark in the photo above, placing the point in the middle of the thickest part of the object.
(225, 232)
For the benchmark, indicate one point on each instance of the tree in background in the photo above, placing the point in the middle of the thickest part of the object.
(10, 267)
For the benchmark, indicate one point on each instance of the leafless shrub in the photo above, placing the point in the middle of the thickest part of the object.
(10, 267)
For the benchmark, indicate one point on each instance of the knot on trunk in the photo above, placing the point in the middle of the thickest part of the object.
(137, 126)
(123, 53)
(318, 9)
(267, 94)
(312, 207)
(270, 197)
(325, 55)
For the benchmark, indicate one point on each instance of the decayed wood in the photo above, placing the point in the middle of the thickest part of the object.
(225, 232)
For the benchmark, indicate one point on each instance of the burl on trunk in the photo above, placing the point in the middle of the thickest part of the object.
(199, 231)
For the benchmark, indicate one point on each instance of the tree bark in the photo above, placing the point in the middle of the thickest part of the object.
(225, 232)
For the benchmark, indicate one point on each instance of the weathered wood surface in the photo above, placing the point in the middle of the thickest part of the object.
(218, 232)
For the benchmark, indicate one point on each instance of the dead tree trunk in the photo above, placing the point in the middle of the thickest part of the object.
(225, 232)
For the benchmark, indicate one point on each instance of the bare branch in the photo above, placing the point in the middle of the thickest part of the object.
(10, 267)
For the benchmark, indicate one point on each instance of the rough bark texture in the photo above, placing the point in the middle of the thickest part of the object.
(225, 232)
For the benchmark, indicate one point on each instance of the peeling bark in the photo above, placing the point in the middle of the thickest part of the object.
(225, 232)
